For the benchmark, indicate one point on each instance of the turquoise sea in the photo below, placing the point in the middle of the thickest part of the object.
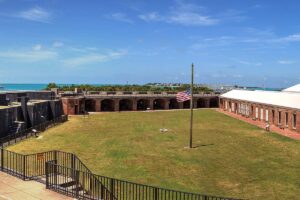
(29, 86)
(19, 86)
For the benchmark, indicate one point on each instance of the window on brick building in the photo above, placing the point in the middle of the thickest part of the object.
(287, 119)
(267, 115)
(261, 114)
(294, 120)
(279, 117)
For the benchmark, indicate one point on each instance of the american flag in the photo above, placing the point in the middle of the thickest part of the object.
(183, 96)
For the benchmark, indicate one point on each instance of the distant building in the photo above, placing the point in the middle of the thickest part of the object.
(93, 101)
(280, 108)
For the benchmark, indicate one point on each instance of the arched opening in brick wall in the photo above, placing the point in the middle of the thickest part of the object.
(173, 104)
(142, 104)
(214, 103)
(90, 105)
(125, 105)
(186, 104)
(107, 105)
(201, 103)
(158, 104)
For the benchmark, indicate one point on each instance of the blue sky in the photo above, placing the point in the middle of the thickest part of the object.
(76, 41)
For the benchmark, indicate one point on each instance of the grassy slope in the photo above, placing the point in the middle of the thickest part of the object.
(233, 158)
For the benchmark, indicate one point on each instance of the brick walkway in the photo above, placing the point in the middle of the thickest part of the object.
(12, 188)
(273, 128)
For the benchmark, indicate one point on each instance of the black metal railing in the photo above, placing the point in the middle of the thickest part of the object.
(14, 138)
(134, 191)
(70, 177)
(65, 173)
(75, 183)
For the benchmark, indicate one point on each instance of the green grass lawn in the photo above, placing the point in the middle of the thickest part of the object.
(232, 158)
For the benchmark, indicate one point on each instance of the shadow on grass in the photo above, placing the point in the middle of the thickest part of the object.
(200, 145)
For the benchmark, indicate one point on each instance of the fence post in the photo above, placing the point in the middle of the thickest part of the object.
(24, 167)
(155, 194)
(47, 175)
(55, 155)
(101, 191)
(112, 185)
(77, 183)
(72, 161)
(55, 168)
(2, 159)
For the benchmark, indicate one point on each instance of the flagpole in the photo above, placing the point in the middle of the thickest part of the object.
(191, 107)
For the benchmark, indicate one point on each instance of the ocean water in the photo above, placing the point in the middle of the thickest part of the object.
(28, 86)
(19, 86)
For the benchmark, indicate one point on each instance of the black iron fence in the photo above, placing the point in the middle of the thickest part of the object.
(125, 190)
(65, 173)
(62, 172)
(14, 138)
(75, 183)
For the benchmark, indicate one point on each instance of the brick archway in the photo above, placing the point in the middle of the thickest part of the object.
(186, 104)
(201, 103)
(107, 105)
(173, 104)
(214, 103)
(125, 105)
(159, 104)
(90, 105)
(143, 104)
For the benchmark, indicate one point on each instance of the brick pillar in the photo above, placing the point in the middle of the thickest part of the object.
(276, 120)
(298, 122)
(207, 103)
(290, 120)
(195, 103)
(151, 104)
(166, 104)
(270, 116)
(134, 104)
(98, 105)
(117, 104)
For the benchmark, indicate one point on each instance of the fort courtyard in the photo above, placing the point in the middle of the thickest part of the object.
(230, 157)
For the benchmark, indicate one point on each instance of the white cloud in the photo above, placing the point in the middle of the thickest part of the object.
(35, 14)
(243, 62)
(292, 38)
(57, 44)
(153, 16)
(28, 56)
(37, 47)
(122, 17)
(192, 19)
(183, 14)
(94, 58)
(285, 62)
